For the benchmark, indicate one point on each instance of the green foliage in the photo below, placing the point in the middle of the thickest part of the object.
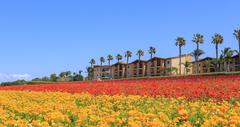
(66, 76)
(14, 83)
(119, 57)
(140, 53)
(152, 51)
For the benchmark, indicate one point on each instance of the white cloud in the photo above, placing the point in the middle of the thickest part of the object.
(13, 77)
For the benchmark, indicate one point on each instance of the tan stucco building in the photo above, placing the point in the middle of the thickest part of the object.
(205, 67)
(173, 62)
(136, 69)
(101, 72)
(155, 67)
(118, 70)
(141, 68)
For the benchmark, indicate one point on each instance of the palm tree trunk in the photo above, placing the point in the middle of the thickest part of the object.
(151, 55)
(197, 57)
(126, 69)
(101, 72)
(216, 66)
(180, 61)
(139, 57)
(238, 65)
(228, 66)
(109, 65)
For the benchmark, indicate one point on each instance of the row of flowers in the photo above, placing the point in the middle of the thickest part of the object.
(58, 109)
(191, 87)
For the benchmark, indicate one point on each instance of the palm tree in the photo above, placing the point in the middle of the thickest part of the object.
(221, 62)
(140, 53)
(90, 73)
(109, 58)
(208, 63)
(102, 60)
(196, 54)
(217, 39)
(180, 42)
(198, 39)
(187, 66)
(152, 51)
(128, 54)
(171, 70)
(227, 54)
(237, 35)
(92, 62)
(119, 57)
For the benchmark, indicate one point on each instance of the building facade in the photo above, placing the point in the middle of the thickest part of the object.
(172, 65)
(141, 68)
(136, 69)
(205, 65)
(101, 72)
(156, 66)
(118, 70)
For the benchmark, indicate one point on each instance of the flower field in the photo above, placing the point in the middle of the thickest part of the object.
(153, 102)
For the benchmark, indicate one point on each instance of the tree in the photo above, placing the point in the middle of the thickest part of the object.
(92, 62)
(63, 75)
(196, 54)
(140, 53)
(237, 36)
(221, 62)
(90, 73)
(198, 39)
(53, 77)
(68, 73)
(208, 63)
(152, 51)
(187, 66)
(128, 54)
(180, 42)
(109, 58)
(102, 60)
(227, 54)
(119, 57)
(171, 70)
(217, 39)
(77, 76)
(45, 78)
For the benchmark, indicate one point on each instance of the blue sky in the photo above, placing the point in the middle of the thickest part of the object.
(39, 37)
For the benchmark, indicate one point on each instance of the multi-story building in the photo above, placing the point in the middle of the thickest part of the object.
(172, 64)
(156, 66)
(101, 72)
(205, 65)
(140, 68)
(236, 62)
(118, 70)
(231, 65)
(136, 69)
